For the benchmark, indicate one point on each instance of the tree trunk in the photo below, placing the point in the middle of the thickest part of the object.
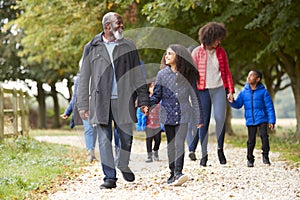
(56, 122)
(228, 125)
(296, 92)
(292, 66)
(42, 106)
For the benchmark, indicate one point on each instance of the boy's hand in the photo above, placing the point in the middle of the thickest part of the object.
(271, 126)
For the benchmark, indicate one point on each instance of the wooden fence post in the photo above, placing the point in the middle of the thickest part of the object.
(15, 111)
(19, 112)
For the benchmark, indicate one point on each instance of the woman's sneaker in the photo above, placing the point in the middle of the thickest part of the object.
(180, 179)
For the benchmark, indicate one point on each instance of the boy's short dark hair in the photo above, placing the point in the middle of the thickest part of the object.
(258, 73)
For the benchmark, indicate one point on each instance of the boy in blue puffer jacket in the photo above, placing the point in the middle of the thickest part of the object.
(259, 113)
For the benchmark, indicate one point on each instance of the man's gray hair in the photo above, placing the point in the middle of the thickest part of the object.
(107, 18)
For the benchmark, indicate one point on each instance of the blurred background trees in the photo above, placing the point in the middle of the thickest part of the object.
(43, 40)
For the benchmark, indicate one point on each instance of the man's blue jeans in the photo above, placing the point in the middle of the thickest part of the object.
(90, 135)
(104, 132)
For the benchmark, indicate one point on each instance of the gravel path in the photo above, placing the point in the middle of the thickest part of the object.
(232, 181)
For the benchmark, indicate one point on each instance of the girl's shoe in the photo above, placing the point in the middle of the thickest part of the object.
(171, 179)
(180, 179)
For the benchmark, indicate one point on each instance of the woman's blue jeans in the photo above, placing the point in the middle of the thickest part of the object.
(192, 137)
(215, 98)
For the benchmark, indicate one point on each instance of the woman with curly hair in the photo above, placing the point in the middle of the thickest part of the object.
(215, 81)
(175, 90)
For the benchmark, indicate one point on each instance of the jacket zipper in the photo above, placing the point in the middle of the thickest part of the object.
(252, 101)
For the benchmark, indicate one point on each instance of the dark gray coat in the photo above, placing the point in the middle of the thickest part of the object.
(96, 79)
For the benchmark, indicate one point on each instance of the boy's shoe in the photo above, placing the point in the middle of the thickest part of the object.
(192, 156)
(266, 160)
(108, 184)
(203, 161)
(171, 179)
(180, 179)
(250, 163)
(221, 157)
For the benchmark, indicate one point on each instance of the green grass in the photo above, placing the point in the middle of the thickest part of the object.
(282, 140)
(29, 169)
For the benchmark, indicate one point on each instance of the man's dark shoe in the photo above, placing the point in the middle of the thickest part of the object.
(266, 160)
(128, 175)
(203, 161)
(221, 157)
(171, 179)
(250, 163)
(192, 156)
(108, 184)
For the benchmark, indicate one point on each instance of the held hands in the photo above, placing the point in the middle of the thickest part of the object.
(230, 97)
(145, 110)
(84, 114)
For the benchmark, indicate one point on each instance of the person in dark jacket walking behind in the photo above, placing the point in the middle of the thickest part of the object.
(111, 79)
(259, 113)
(174, 86)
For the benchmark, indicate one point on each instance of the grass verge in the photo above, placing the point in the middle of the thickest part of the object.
(30, 169)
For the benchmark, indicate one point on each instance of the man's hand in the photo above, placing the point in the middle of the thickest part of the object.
(145, 110)
(84, 114)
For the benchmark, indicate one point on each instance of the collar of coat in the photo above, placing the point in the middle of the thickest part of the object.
(98, 39)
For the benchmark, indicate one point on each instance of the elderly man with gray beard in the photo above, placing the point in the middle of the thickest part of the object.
(111, 79)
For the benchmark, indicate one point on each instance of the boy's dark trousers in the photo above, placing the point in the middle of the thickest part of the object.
(252, 130)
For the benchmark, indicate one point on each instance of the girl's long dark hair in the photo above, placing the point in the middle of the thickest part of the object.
(184, 63)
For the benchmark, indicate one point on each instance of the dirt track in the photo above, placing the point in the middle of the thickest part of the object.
(232, 181)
